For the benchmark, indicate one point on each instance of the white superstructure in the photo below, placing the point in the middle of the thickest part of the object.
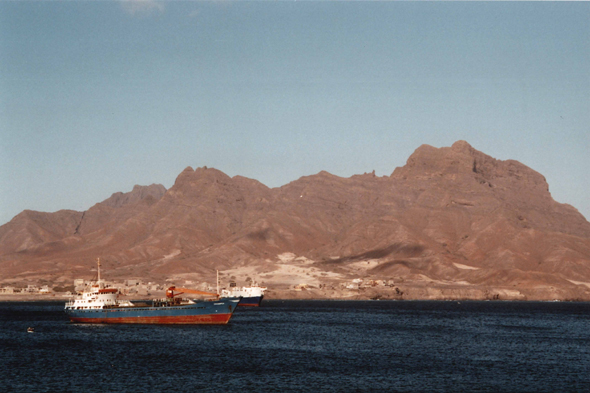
(245, 292)
(96, 296)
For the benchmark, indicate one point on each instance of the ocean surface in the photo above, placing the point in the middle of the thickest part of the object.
(306, 346)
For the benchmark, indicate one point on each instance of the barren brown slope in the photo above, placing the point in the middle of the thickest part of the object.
(450, 216)
(112, 212)
(492, 215)
(37, 244)
(30, 229)
(446, 208)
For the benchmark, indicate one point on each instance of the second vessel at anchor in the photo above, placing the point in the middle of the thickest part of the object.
(251, 295)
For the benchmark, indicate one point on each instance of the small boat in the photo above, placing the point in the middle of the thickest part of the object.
(30, 330)
(251, 295)
(99, 304)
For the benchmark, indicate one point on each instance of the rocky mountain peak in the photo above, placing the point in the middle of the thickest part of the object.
(139, 193)
(462, 146)
(201, 174)
(431, 162)
(204, 184)
(462, 161)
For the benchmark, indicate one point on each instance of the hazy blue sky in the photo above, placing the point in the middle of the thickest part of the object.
(96, 97)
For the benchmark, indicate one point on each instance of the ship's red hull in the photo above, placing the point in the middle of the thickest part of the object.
(215, 319)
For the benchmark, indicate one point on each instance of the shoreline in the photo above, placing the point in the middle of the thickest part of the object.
(308, 295)
(401, 291)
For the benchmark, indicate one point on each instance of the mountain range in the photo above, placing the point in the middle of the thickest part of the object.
(452, 223)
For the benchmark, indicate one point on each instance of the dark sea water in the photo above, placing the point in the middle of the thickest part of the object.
(306, 346)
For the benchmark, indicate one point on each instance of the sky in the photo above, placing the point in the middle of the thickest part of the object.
(98, 96)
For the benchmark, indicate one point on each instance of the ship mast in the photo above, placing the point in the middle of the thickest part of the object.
(217, 282)
(98, 260)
